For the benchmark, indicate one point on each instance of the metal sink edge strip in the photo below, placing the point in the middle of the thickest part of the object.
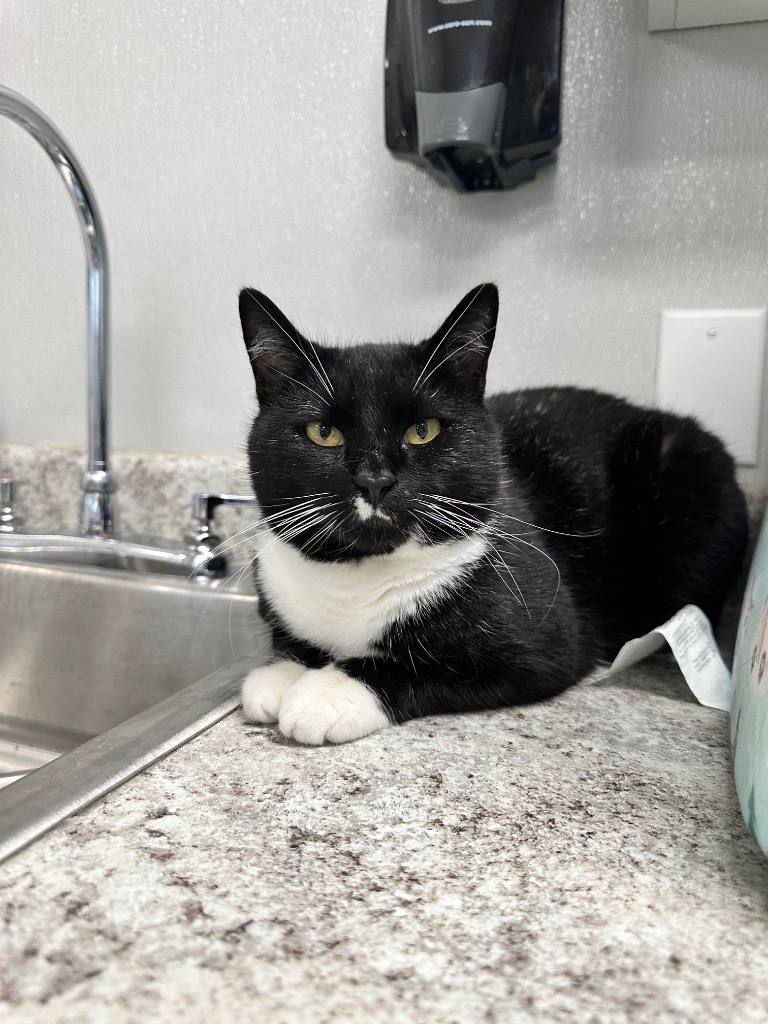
(50, 794)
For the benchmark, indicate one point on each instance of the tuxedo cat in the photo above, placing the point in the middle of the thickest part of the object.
(424, 549)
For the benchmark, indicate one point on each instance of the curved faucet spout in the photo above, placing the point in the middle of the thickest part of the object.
(99, 483)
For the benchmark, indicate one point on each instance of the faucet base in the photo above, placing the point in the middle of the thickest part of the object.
(97, 517)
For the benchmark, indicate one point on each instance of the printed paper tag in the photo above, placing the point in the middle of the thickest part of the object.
(693, 644)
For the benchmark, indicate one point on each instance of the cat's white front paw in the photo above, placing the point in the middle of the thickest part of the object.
(264, 688)
(328, 706)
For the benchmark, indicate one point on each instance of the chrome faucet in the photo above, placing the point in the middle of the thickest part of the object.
(197, 557)
(99, 484)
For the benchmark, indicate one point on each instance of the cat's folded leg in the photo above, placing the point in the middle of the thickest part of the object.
(329, 706)
(264, 688)
(312, 706)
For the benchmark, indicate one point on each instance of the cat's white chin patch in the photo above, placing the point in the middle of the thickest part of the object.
(366, 511)
(312, 706)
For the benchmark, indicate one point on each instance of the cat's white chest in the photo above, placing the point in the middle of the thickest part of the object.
(345, 608)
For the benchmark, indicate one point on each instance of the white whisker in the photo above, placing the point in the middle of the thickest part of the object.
(300, 383)
(466, 528)
(448, 331)
(488, 507)
(472, 343)
(321, 376)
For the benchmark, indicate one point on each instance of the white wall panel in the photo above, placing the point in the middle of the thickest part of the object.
(241, 143)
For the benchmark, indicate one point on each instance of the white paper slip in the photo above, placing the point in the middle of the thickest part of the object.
(693, 644)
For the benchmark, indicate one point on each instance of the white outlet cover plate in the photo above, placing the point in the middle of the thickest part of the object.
(667, 14)
(710, 365)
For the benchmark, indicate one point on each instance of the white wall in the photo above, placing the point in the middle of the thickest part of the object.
(235, 143)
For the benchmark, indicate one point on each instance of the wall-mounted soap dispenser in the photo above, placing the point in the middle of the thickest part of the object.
(472, 88)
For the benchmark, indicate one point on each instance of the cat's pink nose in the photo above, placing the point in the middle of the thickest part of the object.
(374, 485)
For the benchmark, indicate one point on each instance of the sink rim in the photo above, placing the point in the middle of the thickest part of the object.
(145, 556)
(32, 805)
(40, 801)
(33, 557)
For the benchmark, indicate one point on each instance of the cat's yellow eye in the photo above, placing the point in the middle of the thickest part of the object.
(324, 434)
(423, 432)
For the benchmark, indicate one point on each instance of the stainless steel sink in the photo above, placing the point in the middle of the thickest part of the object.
(105, 646)
(102, 671)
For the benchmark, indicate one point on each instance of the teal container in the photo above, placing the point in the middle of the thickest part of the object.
(749, 707)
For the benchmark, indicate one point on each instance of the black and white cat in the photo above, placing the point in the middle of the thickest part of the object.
(426, 550)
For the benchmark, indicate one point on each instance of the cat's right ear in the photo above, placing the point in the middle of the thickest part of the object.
(463, 343)
(274, 345)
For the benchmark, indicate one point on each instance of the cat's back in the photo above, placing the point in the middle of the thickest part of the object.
(560, 417)
(643, 507)
(593, 436)
(557, 442)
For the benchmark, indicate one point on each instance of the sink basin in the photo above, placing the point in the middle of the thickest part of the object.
(103, 671)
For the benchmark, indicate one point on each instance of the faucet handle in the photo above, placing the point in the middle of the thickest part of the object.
(204, 505)
(10, 520)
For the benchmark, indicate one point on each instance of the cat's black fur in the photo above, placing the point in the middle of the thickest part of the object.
(605, 518)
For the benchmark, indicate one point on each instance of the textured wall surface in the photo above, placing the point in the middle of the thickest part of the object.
(238, 143)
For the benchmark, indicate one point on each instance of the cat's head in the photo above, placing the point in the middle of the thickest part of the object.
(357, 449)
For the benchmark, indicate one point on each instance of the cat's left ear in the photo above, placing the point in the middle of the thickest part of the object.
(277, 351)
(463, 343)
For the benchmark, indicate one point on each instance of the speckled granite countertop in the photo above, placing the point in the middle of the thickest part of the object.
(581, 860)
